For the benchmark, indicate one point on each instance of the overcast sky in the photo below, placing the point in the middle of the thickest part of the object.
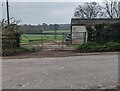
(41, 12)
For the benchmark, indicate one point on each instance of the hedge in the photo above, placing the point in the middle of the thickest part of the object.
(95, 47)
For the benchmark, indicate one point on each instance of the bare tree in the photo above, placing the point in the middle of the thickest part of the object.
(112, 9)
(88, 10)
(119, 8)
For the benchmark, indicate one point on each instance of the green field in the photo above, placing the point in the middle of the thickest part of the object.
(29, 38)
(58, 31)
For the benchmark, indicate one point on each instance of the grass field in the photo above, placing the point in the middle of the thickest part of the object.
(27, 38)
(58, 31)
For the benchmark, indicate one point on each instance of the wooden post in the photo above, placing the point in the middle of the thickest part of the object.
(85, 37)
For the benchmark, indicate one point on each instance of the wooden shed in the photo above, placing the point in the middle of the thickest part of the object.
(79, 31)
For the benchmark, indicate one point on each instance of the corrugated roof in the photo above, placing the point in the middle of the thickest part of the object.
(78, 21)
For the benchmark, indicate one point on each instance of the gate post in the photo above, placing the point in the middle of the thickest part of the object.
(62, 40)
(85, 41)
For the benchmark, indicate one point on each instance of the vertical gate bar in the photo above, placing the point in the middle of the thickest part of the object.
(41, 40)
(62, 39)
(71, 32)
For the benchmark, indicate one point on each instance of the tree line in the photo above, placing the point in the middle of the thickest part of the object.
(43, 27)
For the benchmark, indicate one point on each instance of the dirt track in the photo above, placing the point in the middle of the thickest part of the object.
(73, 72)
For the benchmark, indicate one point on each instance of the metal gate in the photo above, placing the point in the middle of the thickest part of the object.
(46, 41)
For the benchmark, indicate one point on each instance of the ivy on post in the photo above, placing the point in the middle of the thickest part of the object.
(10, 35)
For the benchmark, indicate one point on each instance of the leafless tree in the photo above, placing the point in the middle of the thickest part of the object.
(112, 8)
(88, 10)
(119, 9)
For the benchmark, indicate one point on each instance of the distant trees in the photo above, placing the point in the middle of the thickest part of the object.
(30, 28)
(51, 27)
(44, 27)
(54, 27)
(108, 9)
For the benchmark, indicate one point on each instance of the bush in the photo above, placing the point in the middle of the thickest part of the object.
(88, 47)
(113, 46)
(103, 33)
(16, 51)
(95, 47)
(11, 36)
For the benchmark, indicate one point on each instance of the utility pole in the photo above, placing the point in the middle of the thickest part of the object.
(7, 6)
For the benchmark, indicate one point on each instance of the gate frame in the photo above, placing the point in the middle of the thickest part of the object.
(45, 34)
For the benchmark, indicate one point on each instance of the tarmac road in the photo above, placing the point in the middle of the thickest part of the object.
(75, 72)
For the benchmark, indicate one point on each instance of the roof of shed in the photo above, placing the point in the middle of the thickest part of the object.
(78, 21)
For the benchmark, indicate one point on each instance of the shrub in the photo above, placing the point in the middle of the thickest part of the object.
(95, 47)
(113, 46)
(10, 34)
(90, 46)
(16, 51)
(103, 33)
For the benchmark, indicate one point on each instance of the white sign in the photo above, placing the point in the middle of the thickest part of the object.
(79, 33)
